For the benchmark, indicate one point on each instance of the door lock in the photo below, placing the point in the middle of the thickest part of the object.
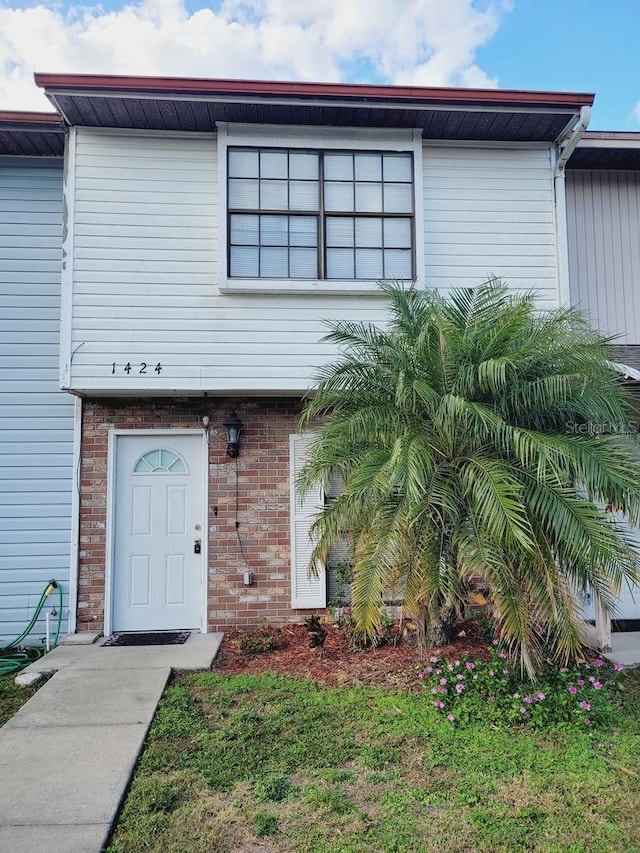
(197, 546)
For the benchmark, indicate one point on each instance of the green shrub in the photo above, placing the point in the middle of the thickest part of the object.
(468, 691)
(258, 642)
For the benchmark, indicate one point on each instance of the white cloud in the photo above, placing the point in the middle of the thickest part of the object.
(423, 42)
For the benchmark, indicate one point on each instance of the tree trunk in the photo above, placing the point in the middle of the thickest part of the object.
(436, 629)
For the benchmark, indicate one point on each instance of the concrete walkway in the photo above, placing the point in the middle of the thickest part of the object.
(67, 756)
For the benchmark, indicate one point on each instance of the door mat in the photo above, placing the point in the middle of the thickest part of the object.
(149, 638)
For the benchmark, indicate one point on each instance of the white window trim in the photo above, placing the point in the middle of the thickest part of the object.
(293, 136)
(302, 513)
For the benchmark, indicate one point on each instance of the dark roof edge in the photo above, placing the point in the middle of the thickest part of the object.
(265, 88)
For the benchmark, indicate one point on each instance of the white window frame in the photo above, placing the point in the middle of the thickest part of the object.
(321, 138)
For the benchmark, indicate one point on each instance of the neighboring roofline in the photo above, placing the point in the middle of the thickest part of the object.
(265, 88)
(610, 139)
(18, 117)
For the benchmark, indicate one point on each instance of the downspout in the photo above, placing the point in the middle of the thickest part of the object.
(566, 150)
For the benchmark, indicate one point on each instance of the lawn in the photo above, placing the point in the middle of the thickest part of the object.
(266, 762)
(12, 697)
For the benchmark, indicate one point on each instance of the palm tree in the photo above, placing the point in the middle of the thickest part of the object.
(464, 434)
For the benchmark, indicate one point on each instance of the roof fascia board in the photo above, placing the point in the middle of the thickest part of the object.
(259, 88)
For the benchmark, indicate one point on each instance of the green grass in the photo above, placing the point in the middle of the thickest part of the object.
(12, 697)
(273, 763)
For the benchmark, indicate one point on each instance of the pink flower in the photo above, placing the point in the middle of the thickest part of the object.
(618, 667)
(573, 690)
(542, 696)
(438, 704)
(587, 721)
(443, 690)
(581, 682)
(585, 705)
(491, 672)
(459, 688)
(505, 671)
(475, 677)
(434, 689)
(502, 655)
(529, 699)
(443, 681)
(491, 698)
(450, 717)
(457, 662)
(438, 672)
(433, 659)
(597, 685)
(592, 678)
(459, 676)
(421, 675)
(428, 669)
(523, 710)
(470, 665)
(600, 746)
(495, 642)
(599, 662)
(516, 695)
(450, 667)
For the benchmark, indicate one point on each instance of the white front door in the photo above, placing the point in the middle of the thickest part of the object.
(159, 517)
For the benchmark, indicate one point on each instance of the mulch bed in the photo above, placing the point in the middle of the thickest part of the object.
(393, 666)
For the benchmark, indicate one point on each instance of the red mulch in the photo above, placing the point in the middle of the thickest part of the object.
(391, 666)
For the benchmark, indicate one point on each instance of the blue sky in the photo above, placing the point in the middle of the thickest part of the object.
(573, 45)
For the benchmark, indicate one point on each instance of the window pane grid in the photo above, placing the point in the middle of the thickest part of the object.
(282, 202)
(271, 246)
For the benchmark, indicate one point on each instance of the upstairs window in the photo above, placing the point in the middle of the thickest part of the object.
(300, 214)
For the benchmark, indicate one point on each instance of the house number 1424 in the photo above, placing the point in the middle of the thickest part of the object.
(141, 367)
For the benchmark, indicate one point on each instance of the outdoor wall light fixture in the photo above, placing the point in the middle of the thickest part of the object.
(233, 426)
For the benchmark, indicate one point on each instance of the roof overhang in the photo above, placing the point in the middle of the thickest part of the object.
(27, 134)
(186, 104)
(607, 150)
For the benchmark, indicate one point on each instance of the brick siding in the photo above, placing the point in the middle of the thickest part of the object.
(262, 503)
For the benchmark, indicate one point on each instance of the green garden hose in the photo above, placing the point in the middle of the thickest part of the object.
(13, 658)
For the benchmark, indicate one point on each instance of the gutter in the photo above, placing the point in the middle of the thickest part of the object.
(560, 195)
(569, 146)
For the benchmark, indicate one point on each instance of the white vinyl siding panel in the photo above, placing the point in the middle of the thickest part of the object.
(307, 590)
(603, 218)
(490, 212)
(145, 215)
(146, 262)
(36, 418)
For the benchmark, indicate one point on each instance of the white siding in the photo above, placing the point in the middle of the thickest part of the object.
(145, 264)
(36, 418)
(490, 212)
(603, 213)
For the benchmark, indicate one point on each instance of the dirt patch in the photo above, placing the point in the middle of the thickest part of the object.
(394, 665)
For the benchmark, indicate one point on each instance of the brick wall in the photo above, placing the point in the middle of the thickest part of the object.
(262, 500)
